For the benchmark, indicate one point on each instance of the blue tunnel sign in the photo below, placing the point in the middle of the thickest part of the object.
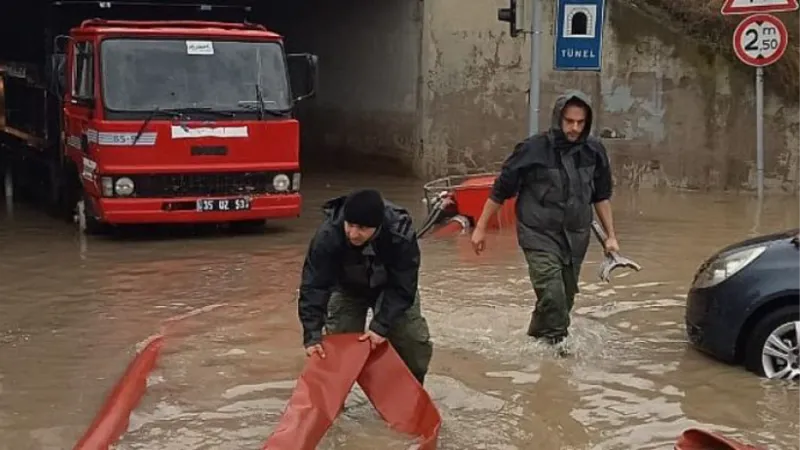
(579, 35)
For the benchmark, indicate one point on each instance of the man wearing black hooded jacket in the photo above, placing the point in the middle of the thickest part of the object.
(365, 256)
(557, 176)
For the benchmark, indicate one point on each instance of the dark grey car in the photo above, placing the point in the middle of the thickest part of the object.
(744, 305)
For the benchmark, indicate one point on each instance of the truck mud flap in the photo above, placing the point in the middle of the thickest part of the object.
(324, 384)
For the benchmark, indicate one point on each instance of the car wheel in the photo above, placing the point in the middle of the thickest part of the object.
(772, 349)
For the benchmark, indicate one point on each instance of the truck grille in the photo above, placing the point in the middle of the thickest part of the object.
(205, 184)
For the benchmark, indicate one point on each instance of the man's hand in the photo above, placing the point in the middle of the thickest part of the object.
(490, 208)
(611, 245)
(374, 338)
(478, 240)
(315, 349)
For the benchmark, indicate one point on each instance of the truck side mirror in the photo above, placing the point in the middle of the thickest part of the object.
(303, 75)
(57, 73)
(58, 58)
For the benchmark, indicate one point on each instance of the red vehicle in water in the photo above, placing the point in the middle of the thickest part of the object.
(157, 121)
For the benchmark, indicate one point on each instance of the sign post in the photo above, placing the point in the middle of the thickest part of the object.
(758, 41)
(579, 35)
(533, 96)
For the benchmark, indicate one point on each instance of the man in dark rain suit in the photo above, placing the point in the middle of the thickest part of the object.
(365, 256)
(557, 176)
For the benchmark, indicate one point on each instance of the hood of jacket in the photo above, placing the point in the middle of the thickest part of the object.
(556, 132)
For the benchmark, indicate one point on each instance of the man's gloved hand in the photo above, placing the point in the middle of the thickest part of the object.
(374, 338)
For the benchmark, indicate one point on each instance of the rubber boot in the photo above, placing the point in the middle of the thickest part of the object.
(531, 332)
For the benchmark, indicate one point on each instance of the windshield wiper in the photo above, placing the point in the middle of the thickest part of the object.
(154, 112)
(260, 100)
(178, 113)
(258, 104)
(251, 104)
(200, 109)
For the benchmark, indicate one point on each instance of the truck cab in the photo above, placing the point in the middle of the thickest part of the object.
(181, 122)
(170, 121)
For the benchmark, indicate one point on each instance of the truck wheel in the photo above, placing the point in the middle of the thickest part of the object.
(87, 222)
(772, 347)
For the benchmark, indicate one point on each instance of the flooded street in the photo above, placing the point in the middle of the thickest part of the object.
(73, 310)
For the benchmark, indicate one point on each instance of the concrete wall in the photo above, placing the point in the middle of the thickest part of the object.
(474, 104)
(369, 56)
(685, 118)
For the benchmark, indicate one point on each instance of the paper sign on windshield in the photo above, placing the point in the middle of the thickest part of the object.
(199, 48)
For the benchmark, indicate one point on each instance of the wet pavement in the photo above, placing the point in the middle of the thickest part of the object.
(73, 310)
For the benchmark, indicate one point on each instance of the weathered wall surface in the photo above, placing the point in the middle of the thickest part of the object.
(682, 118)
(369, 55)
(475, 77)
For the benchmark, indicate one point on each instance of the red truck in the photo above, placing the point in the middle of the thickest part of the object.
(157, 121)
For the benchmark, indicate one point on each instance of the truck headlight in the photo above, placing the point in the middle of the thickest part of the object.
(281, 183)
(123, 186)
(725, 266)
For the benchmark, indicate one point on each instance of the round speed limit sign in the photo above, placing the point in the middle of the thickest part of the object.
(760, 40)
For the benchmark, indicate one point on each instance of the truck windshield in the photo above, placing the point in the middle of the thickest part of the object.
(143, 74)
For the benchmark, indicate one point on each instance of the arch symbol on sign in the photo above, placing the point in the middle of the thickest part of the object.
(579, 21)
(760, 40)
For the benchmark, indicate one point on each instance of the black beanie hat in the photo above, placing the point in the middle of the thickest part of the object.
(365, 208)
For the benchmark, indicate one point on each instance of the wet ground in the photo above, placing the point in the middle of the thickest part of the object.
(72, 311)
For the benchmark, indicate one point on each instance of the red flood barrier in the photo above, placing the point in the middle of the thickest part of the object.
(319, 397)
(112, 419)
(324, 384)
(696, 439)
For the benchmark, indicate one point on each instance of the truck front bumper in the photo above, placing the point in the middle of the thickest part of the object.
(184, 209)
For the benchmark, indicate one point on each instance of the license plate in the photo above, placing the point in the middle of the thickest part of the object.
(223, 204)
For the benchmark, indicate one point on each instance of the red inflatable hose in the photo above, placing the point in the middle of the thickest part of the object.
(319, 397)
(696, 439)
(112, 419)
(324, 384)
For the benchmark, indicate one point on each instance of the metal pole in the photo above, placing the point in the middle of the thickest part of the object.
(533, 98)
(760, 131)
(755, 231)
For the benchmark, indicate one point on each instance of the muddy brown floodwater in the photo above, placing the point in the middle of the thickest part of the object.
(72, 311)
